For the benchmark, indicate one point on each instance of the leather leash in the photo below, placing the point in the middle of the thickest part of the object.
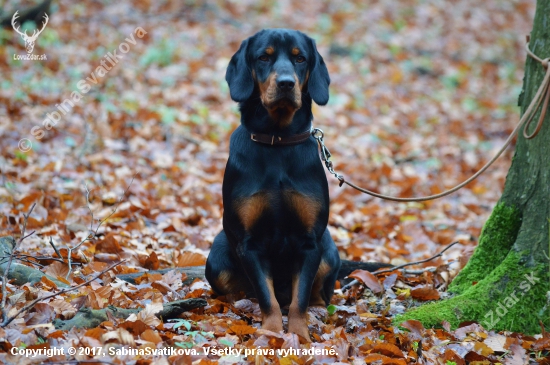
(543, 93)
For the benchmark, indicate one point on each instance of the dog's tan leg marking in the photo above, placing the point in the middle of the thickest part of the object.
(297, 322)
(273, 319)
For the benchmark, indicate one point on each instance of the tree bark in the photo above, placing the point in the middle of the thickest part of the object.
(506, 283)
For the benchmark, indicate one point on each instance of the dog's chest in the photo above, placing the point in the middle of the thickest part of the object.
(273, 189)
(280, 191)
(276, 207)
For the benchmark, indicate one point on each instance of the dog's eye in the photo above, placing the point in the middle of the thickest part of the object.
(300, 59)
(263, 58)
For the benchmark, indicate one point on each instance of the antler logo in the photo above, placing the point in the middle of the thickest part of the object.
(29, 40)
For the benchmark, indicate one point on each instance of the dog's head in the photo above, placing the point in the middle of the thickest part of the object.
(282, 66)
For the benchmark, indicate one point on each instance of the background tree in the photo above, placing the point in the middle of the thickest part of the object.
(506, 283)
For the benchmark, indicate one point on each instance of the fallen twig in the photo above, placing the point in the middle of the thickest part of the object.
(91, 318)
(20, 274)
(92, 232)
(21, 256)
(63, 291)
(191, 273)
(416, 262)
(29, 261)
(81, 362)
(419, 271)
(55, 249)
(7, 270)
(355, 281)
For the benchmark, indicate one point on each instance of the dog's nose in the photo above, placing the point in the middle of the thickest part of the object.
(285, 83)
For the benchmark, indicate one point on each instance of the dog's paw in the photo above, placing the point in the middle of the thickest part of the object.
(273, 322)
(297, 324)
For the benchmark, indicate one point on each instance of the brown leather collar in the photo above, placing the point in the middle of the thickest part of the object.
(274, 140)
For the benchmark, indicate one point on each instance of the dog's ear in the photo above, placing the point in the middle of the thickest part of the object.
(319, 79)
(239, 76)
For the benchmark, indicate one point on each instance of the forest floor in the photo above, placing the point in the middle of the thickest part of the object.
(423, 93)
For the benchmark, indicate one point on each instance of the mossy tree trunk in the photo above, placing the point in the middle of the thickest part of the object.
(506, 283)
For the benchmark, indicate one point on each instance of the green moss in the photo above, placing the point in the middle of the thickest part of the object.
(504, 300)
(498, 236)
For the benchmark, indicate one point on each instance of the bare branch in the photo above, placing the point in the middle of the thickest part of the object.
(416, 262)
(7, 270)
(119, 201)
(355, 281)
(55, 249)
(19, 256)
(92, 232)
(29, 261)
(25, 225)
(81, 362)
(89, 208)
(22, 238)
(419, 271)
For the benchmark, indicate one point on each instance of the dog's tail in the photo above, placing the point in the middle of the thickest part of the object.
(347, 267)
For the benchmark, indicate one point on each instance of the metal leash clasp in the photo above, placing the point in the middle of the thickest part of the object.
(318, 134)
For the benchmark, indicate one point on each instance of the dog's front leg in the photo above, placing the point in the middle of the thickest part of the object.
(257, 269)
(309, 260)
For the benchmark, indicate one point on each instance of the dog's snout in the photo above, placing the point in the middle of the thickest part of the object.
(285, 83)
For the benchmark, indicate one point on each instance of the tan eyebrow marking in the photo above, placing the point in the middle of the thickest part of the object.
(295, 51)
(269, 50)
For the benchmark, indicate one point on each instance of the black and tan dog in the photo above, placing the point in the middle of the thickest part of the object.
(275, 244)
